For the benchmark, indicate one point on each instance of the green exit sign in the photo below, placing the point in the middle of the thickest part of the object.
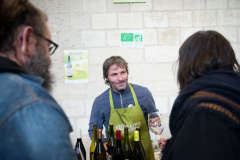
(131, 39)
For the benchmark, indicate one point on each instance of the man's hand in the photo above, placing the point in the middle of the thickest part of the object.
(105, 146)
(162, 142)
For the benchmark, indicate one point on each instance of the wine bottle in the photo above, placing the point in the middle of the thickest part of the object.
(118, 150)
(140, 140)
(69, 67)
(127, 148)
(94, 142)
(111, 142)
(138, 153)
(79, 145)
(99, 153)
(79, 154)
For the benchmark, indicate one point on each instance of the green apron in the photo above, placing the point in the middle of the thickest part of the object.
(133, 117)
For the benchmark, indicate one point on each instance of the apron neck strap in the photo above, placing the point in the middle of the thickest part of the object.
(133, 94)
(111, 99)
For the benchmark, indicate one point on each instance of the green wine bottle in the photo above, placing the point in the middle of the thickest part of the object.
(138, 152)
(127, 148)
(94, 142)
(111, 142)
(140, 140)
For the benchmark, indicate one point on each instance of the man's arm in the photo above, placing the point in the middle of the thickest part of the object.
(37, 131)
(95, 119)
(150, 106)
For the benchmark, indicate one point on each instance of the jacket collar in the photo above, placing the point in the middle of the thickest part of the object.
(7, 65)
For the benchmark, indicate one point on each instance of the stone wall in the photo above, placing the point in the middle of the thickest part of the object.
(94, 25)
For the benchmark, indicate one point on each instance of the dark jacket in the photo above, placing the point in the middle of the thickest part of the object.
(205, 119)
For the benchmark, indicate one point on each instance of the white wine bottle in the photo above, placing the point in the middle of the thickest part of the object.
(94, 142)
(100, 152)
(138, 152)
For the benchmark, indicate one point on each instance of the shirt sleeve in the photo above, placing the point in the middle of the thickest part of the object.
(95, 119)
(38, 131)
(206, 136)
(150, 106)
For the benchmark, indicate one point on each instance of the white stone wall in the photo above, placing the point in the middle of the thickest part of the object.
(94, 25)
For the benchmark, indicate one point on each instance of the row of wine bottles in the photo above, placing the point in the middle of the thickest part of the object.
(116, 151)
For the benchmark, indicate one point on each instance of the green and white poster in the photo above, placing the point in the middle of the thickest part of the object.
(76, 66)
(124, 1)
(131, 39)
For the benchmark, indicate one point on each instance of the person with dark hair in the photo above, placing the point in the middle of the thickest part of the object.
(122, 104)
(205, 118)
(32, 124)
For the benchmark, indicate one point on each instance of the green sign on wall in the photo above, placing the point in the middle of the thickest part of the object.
(131, 39)
(124, 1)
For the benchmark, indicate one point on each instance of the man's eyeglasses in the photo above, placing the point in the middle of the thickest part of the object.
(53, 46)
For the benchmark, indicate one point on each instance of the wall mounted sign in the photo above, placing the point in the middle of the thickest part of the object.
(76, 66)
(124, 1)
(131, 39)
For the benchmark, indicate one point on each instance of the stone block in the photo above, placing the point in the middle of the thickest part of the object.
(167, 5)
(155, 19)
(74, 108)
(59, 22)
(99, 55)
(161, 88)
(89, 104)
(186, 32)
(130, 20)
(238, 34)
(162, 104)
(228, 17)
(216, 4)
(113, 38)
(194, 4)
(234, 4)
(104, 21)
(204, 18)
(236, 48)
(49, 7)
(150, 36)
(94, 5)
(80, 21)
(161, 53)
(180, 19)
(230, 33)
(93, 38)
(151, 71)
(72, 6)
(69, 39)
(142, 6)
(168, 36)
(95, 73)
(94, 89)
(118, 7)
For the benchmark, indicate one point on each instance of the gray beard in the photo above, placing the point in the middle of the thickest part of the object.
(39, 65)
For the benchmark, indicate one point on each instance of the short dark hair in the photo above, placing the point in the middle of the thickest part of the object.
(16, 13)
(117, 60)
(202, 52)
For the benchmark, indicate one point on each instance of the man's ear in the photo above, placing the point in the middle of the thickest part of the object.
(28, 39)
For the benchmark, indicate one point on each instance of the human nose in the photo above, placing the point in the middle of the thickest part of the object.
(120, 77)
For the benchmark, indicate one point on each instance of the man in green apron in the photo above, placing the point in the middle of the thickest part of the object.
(123, 104)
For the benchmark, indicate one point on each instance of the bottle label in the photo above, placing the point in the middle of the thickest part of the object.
(69, 72)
